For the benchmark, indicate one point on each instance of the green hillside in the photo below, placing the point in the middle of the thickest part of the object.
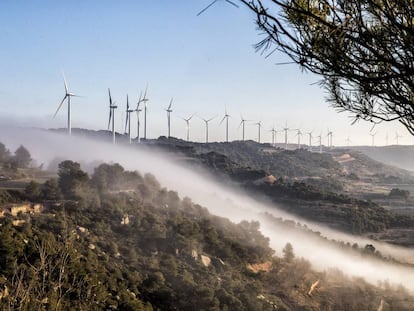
(118, 240)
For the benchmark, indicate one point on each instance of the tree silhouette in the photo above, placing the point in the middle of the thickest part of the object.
(22, 157)
(288, 252)
(71, 179)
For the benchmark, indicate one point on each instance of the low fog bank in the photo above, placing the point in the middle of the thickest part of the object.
(221, 199)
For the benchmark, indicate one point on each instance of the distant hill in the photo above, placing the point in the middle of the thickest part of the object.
(399, 156)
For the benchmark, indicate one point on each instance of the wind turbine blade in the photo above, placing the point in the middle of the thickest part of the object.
(222, 120)
(139, 100)
(110, 98)
(171, 101)
(145, 94)
(60, 105)
(232, 3)
(206, 8)
(126, 121)
(110, 116)
(284, 63)
(64, 81)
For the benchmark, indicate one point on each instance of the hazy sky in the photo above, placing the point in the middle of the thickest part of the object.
(206, 63)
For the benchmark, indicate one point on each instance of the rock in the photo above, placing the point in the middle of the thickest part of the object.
(205, 260)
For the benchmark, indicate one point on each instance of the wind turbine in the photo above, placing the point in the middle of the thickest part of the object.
(243, 123)
(206, 122)
(128, 120)
(330, 135)
(310, 140)
(145, 101)
(169, 110)
(298, 134)
(67, 96)
(274, 133)
(373, 138)
(138, 110)
(397, 137)
(187, 121)
(208, 6)
(112, 108)
(259, 125)
(226, 116)
(348, 140)
(286, 129)
(320, 142)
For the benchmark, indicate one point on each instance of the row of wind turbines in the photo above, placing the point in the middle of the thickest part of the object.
(141, 105)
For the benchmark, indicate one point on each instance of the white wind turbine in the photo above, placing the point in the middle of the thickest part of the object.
(206, 121)
(145, 101)
(259, 127)
(298, 134)
(112, 108)
(373, 138)
(169, 110)
(208, 6)
(138, 110)
(226, 116)
(330, 139)
(348, 141)
(286, 129)
(67, 96)
(187, 121)
(320, 142)
(128, 120)
(274, 133)
(310, 140)
(397, 137)
(242, 124)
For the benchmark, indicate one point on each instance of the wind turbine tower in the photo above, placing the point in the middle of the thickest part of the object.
(274, 133)
(286, 129)
(299, 134)
(243, 123)
(128, 120)
(145, 101)
(169, 110)
(397, 137)
(373, 138)
(206, 121)
(138, 110)
(67, 96)
(112, 108)
(226, 116)
(259, 126)
(320, 143)
(330, 138)
(310, 140)
(187, 121)
(348, 141)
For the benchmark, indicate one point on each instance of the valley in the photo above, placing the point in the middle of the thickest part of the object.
(272, 210)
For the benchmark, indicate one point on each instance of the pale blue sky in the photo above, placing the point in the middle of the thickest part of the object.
(206, 63)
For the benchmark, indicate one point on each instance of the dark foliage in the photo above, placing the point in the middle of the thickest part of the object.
(361, 49)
